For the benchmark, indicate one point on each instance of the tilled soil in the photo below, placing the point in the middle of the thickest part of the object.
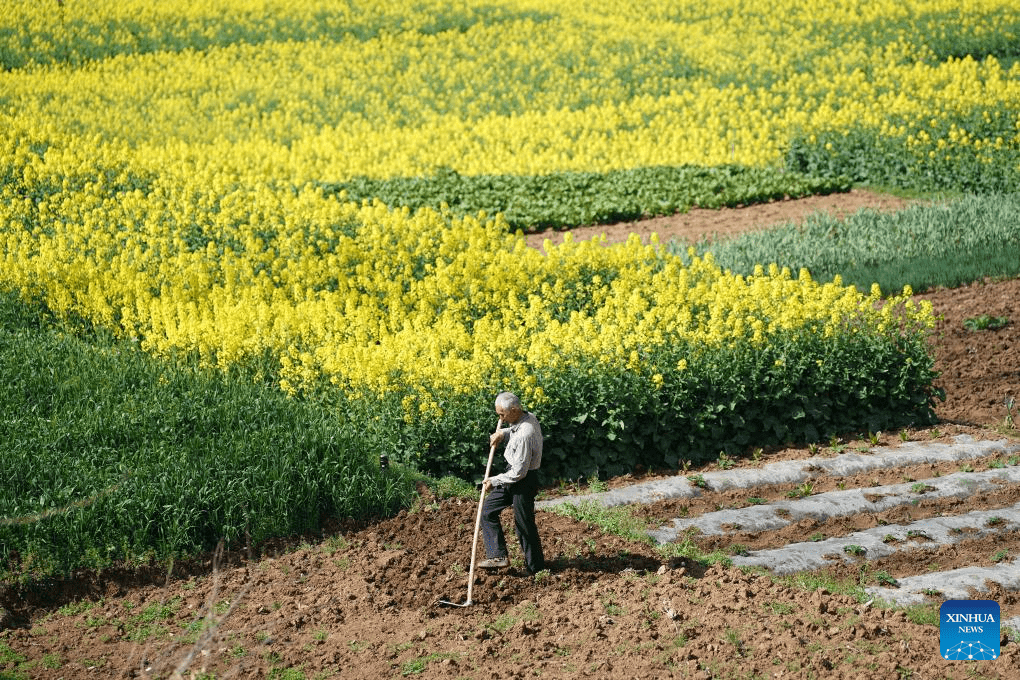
(361, 602)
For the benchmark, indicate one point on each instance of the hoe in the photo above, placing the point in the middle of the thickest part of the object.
(478, 521)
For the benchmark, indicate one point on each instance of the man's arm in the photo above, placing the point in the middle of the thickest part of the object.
(518, 455)
(498, 436)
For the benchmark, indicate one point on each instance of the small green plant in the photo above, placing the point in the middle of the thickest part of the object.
(698, 480)
(9, 656)
(755, 500)
(904, 673)
(194, 629)
(529, 612)
(802, 491)
(454, 487)
(149, 622)
(816, 537)
(853, 549)
(921, 487)
(79, 607)
(724, 462)
(923, 614)
(334, 544)
(1000, 555)
(994, 521)
(611, 607)
(889, 538)
(52, 661)
(884, 578)
(413, 667)
(277, 673)
(595, 485)
(780, 607)
(985, 322)
(733, 637)
(1010, 421)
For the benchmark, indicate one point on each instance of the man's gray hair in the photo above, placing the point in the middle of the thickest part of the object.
(507, 401)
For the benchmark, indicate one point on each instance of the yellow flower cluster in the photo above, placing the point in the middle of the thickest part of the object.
(304, 91)
(159, 163)
(371, 299)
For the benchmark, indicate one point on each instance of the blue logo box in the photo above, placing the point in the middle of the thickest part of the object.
(969, 630)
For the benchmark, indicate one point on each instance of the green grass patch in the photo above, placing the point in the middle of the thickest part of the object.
(111, 455)
(621, 521)
(811, 582)
(985, 322)
(939, 244)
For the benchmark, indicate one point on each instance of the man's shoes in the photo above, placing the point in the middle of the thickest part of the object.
(495, 563)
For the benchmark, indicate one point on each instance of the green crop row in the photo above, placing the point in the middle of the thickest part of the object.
(572, 198)
(799, 387)
(112, 455)
(948, 244)
(978, 152)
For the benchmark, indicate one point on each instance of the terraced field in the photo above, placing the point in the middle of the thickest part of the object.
(922, 520)
(821, 539)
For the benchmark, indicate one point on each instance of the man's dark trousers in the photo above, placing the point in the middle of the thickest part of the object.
(520, 495)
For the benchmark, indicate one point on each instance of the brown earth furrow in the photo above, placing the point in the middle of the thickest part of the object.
(926, 557)
(809, 529)
(664, 511)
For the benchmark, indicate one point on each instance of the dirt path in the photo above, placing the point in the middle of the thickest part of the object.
(704, 223)
(360, 602)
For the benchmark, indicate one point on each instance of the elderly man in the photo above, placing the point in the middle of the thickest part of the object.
(516, 487)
